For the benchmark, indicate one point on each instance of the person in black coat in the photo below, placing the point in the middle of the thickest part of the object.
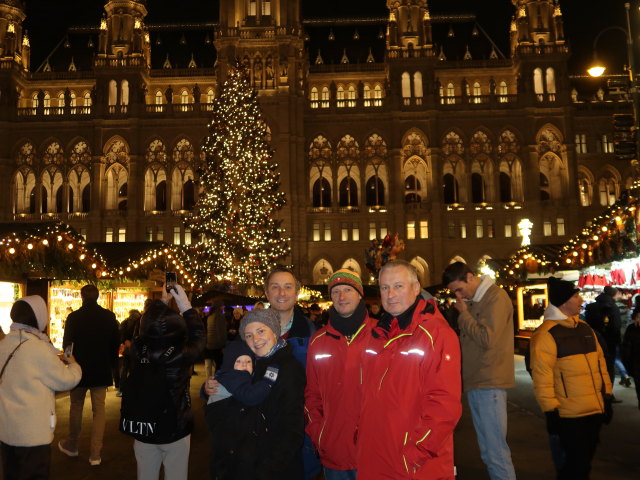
(631, 350)
(93, 331)
(176, 341)
(271, 443)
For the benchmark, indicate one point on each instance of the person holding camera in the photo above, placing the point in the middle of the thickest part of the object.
(156, 404)
(30, 374)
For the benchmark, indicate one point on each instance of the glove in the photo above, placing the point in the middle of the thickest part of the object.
(553, 422)
(607, 416)
(178, 293)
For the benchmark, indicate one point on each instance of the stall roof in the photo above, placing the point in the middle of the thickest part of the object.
(118, 254)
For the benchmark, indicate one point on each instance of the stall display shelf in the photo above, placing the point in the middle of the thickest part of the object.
(125, 299)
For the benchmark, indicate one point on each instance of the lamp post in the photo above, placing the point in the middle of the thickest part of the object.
(598, 69)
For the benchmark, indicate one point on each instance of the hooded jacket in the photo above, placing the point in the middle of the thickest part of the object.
(160, 329)
(333, 393)
(410, 397)
(29, 383)
(568, 367)
(486, 339)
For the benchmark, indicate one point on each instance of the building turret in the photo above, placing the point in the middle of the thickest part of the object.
(14, 45)
(124, 39)
(536, 22)
(409, 24)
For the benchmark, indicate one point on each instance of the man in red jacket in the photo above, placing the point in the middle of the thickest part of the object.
(411, 385)
(333, 393)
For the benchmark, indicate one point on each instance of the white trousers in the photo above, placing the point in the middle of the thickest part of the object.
(174, 456)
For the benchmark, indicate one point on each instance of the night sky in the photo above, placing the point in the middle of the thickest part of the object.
(47, 20)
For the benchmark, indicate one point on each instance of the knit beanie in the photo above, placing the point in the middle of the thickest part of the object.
(232, 351)
(344, 276)
(267, 316)
(559, 291)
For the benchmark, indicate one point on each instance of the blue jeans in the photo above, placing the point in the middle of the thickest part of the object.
(620, 365)
(489, 413)
(330, 474)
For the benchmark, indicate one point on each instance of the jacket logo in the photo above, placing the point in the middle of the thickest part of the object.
(139, 428)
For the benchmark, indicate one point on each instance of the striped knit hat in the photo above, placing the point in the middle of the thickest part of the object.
(344, 276)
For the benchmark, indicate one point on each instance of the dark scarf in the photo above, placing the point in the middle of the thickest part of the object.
(388, 326)
(348, 326)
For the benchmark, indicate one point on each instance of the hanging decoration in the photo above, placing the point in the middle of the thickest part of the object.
(381, 251)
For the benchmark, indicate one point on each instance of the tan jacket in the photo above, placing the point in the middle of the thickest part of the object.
(486, 339)
(568, 368)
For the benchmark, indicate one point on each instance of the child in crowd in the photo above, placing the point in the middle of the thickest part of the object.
(228, 409)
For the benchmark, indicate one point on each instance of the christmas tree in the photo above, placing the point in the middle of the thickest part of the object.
(239, 237)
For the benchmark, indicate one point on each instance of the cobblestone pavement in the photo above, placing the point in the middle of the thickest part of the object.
(618, 455)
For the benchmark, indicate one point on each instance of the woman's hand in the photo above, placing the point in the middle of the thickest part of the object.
(68, 360)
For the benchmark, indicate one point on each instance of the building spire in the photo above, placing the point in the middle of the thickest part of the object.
(123, 34)
(536, 23)
(13, 47)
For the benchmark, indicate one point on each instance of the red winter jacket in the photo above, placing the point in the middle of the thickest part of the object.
(411, 399)
(333, 393)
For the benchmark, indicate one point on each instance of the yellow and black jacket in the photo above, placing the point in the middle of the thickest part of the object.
(568, 366)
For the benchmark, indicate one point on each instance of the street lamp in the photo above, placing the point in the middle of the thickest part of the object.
(597, 69)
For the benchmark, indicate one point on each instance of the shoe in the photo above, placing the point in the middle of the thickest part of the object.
(67, 451)
(94, 462)
(615, 400)
(625, 382)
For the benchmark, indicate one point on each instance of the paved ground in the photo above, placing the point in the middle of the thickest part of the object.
(618, 456)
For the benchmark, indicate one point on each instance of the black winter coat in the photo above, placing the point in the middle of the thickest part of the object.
(93, 330)
(270, 447)
(612, 331)
(177, 366)
(631, 351)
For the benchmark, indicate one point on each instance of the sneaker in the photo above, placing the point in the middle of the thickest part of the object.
(63, 446)
(94, 462)
(625, 382)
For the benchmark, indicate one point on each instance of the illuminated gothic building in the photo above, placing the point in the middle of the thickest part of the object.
(407, 122)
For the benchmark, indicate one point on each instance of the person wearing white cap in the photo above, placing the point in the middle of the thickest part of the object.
(30, 374)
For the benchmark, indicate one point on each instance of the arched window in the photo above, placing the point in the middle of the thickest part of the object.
(450, 189)
(87, 99)
(551, 84)
(210, 96)
(477, 91)
(477, 188)
(86, 198)
(503, 92)
(184, 100)
(122, 196)
(585, 190)
(314, 97)
(340, 96)
(348, 193)
(72, 102)
(608, 188)
(188, 195)
(60, 102)
(325, 97)
(159, 98)
(113, 92)
(351, 96)
(377, 95)
(161, 196)
(406, 85)
(124, 92)
(34, 103)
(417, 84)
(538, 86)
(505, 187)
(375, 192)
(321, 193)
(59, 199)
(451, 94)
(544, 187)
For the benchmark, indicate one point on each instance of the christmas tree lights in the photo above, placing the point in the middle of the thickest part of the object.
(239, 237)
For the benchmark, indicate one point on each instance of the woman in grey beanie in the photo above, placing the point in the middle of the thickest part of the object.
(271, 450)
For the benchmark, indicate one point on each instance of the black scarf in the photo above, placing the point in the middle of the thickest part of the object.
(348, 326)
(404, 319)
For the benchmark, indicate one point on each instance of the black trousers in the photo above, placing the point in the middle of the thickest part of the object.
(26, 463)
(579, 438)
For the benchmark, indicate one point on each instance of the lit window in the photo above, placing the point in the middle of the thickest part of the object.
(108, 237)
(83, 233)
(149, 234)
(355, 232)
(547, 228)
(490, 230)
(373, 234)
(424, 228)
(581, 143)
(160, 234)
(122, 234)
(316, 232)
(463, 230)
(176, 235)
(560, 225)
(327, 232)
(187, 236)
(607, 144)
(479, 228)
(344, 232)
(383, 229)
(507, 230)
(411, 229)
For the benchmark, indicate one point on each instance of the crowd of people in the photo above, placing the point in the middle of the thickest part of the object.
(368, 391)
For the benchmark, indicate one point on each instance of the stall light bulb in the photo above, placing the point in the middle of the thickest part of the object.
(45, 242)
(70, 246)
(12, 250)
(30, 246)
